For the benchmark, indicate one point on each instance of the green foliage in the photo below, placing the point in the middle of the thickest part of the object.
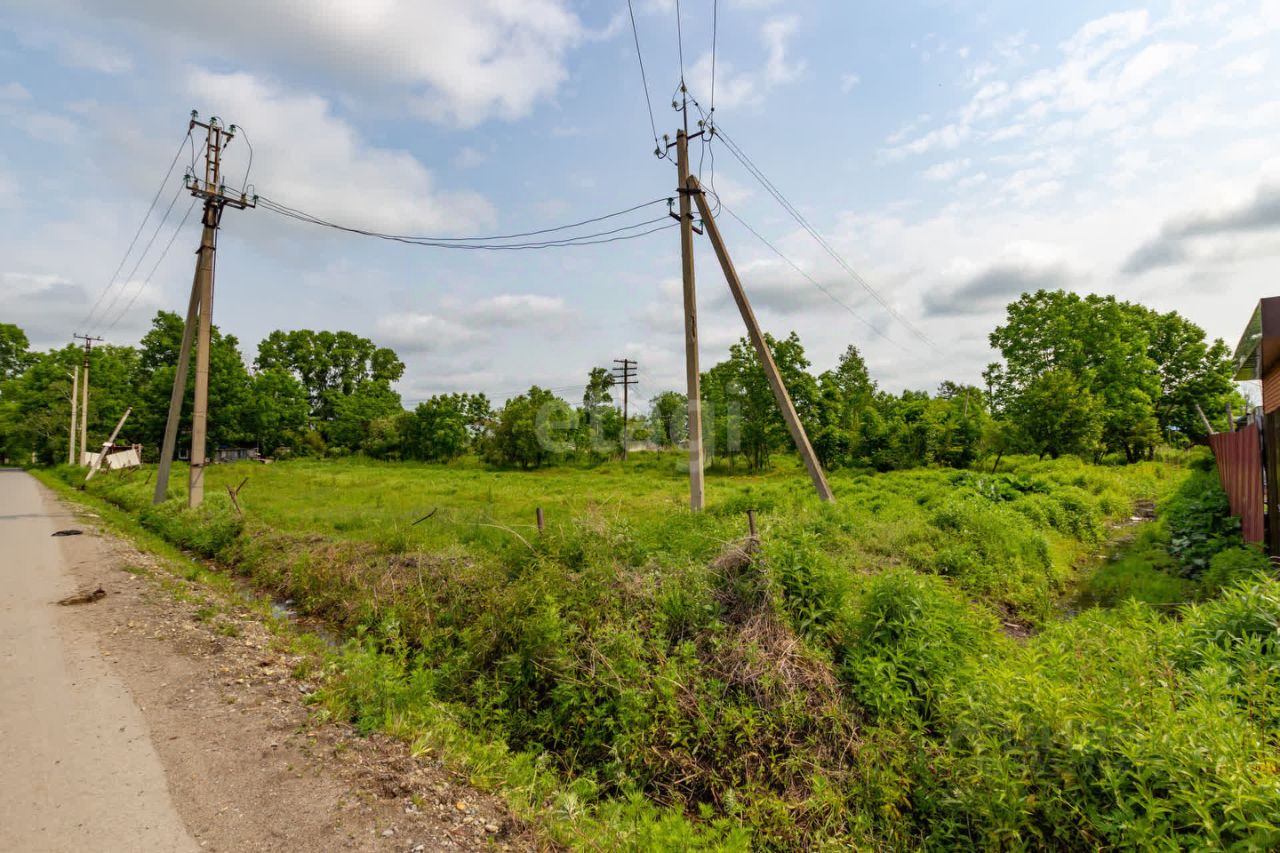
(531, 430)
(444, 427)
(1230, 567)
(1200, 522)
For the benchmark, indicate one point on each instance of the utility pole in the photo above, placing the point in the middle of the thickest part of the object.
(199, 311)
(75, 391)
(626, 377)
(780, 394)
(693, 381)
(84, 392)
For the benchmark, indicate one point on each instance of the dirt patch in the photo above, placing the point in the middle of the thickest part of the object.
(248, 766)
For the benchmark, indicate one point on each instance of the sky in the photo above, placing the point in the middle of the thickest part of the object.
(953, 155)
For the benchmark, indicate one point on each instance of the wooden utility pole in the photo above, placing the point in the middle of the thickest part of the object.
(693, 379)
(199, 312)
(84, 393)
(75, 391)
(780, 394)
(625, 375)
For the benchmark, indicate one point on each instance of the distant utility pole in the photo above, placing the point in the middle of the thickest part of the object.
(75, 391)
(84, 393)
(199, 312)
(624, 375)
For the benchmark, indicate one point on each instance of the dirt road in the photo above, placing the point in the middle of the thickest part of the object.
(160, 717)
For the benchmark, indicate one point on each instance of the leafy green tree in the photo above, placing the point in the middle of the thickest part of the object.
(276, 415)
(14, 357)
(669, 418)
(530, 430)
(329, 364)
(599, 423)
(353, 414)
(1058, 415)
(442, 427)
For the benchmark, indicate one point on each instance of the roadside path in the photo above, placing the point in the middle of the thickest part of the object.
(167, 717)
(77, 767)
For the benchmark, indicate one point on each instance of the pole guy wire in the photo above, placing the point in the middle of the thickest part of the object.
(156, 266)
(124, 283)
(93, 310)
(795, 214)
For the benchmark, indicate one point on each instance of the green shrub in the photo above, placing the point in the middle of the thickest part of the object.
(1226, 568)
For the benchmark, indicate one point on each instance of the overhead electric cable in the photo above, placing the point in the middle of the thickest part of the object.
(591, 239)
(795, 214)
(811, 279)
(154, 267)
(715, 26)
(92, 310)
(680, 44)
(124, 283)
(653, 125)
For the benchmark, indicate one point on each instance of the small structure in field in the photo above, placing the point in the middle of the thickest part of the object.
(118, 456)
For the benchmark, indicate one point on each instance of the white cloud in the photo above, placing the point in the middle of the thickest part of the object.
(946, 170)
(749, 88)
(469, 158)
(849, 81)
(459, 62)
(309, 159)
(508, 310)
(14, 92)
(1249, 65)
(78, 50)
(420, 332)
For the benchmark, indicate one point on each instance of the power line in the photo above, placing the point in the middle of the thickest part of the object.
(811, 279)
(154, 267)
(680, 43)
(88, 317)
(124, 283)
(653, 125)
(795, 214)
(715, 25)
(590, 239)
(430, 239)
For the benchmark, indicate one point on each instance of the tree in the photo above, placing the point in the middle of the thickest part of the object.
(529, 430)
(1058, 415)
(277, 410)
(1146, 370)
(441, 428)
(599, 426)
(14, 357)
(329, 364)
(353, 414)
(669, 418)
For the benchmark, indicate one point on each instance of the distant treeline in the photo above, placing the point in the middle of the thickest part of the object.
(1085, 375)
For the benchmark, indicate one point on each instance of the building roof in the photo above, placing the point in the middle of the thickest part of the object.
(1259, 348)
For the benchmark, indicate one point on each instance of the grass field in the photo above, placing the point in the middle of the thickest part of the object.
(893, 671)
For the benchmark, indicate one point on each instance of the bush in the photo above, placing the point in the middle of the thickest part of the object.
(1226, 568)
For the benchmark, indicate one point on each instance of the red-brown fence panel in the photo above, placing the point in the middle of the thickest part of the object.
(1239, 456)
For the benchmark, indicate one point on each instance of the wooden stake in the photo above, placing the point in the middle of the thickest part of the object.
(542, 522)
(751, 524)
(102, 455)
(179, 391)
(693, 380)
(780, 394)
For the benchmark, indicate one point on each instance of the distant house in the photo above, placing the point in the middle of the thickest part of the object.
(234, 454)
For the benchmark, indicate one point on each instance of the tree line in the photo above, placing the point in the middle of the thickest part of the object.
(1088, 375)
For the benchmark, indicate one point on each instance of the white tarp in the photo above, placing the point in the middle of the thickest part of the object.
(125, 458)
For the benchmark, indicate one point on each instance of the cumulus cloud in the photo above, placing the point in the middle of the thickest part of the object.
(461, 62)
(987, 288)
(736, 88)
(1174, 242)
(309, 159)
(510, 310)
(420, 332)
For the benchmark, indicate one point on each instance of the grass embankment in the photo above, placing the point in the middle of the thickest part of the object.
(644, 678)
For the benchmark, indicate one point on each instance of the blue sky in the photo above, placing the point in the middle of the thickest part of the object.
(953, 154)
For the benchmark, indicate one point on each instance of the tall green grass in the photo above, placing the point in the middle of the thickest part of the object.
(851, 681)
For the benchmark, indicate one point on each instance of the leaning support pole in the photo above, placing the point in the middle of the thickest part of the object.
(102, 454)
(200, 401)
(794, 426)
(179, 391)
